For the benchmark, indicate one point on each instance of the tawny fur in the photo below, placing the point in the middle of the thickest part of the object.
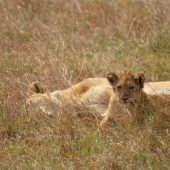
(94, 92)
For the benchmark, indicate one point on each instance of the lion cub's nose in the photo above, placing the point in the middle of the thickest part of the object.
(124, 99)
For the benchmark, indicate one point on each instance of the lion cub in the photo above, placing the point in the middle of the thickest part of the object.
(128, 99)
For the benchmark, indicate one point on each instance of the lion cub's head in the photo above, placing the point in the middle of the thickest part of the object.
(127, 86)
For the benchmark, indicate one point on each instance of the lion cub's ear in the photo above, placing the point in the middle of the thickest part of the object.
(36, 87)
(112, 78)
(140, 78)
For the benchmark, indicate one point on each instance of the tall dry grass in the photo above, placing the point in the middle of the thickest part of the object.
(60, 43)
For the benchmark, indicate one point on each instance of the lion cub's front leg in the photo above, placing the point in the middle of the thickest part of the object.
(116, 113)
(107, 116)
(104, 122)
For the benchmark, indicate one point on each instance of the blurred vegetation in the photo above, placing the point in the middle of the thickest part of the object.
(60, 43)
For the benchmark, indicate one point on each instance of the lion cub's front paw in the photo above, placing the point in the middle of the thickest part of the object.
(103, 126)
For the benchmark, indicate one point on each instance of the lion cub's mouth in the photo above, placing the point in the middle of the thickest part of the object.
(124, 100)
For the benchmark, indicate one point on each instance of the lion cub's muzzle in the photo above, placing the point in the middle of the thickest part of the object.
(124, 99)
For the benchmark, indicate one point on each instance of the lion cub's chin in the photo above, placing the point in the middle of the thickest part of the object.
(127, 103)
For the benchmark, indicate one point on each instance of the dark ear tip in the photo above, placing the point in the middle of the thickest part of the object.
(141, 79)
(141, 75)
(109, 74)
(112, 77)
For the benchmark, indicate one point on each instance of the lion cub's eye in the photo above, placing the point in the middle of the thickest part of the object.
(131, 87)
(119, 87)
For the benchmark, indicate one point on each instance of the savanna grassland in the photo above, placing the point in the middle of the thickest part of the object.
(61, 42)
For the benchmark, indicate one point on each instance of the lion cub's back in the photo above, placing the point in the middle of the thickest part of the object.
(155, 88)
(98, 94)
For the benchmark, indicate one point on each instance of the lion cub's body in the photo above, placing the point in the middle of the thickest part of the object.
(93, 92)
